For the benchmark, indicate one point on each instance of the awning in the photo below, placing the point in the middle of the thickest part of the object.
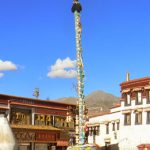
(126, 111)
(62, 143)
(146, 109)
(125, 91)
(107, 139)
(116, 120)
(138, 110)
(137, 89)
(147, 87)
(4, 108)
(93, 125)
(34, 127)
(106, 122)
(112, 121)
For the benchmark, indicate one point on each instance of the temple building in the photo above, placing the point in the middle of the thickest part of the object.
(127, 125)
(38, 124)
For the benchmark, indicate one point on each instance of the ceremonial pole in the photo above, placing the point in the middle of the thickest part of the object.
(81, 110)
(80, 119)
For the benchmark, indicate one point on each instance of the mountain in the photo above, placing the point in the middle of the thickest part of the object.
(68, 100)
(96, 102)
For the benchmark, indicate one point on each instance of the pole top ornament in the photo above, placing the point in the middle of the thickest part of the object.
(76, 6)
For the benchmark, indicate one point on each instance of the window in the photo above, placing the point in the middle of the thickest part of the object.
(20, 116)
(86, 133)
(139, 98)
(94, 131)
(148, 117)
(148, 96)
(97, 130)
(90, 131)
(115, 135)
(138, 118)
(107, 145)
(128, 100)
(113, 126)
(127, 119)
(118, 124)
(107, 128)
(48, 120)
(61, 122)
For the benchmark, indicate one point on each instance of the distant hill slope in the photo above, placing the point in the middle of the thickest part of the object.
(96, 102)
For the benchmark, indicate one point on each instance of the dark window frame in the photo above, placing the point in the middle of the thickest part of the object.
(137, 122)
(125, 119)
(118, 125)
(90, 131)
(137, 98)
(148, 96)
(113, 126)
(107, 128)
(148, 117)
(126, 99)
(97, 130)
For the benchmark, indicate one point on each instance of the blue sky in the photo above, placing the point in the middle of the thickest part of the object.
(34, 34)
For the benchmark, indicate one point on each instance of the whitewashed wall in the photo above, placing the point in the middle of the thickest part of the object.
(133, 135)
(128, 136)
(103, 120)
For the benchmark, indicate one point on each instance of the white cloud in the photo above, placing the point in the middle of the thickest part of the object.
(63, 69)
(1, 75)
(62, 64)
(7, 65)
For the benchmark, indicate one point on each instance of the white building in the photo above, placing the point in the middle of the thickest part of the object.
(126, 126)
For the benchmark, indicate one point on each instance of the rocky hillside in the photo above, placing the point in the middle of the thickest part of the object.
(96, 102)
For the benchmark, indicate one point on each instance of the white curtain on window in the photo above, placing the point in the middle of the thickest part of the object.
(139, 97)
(128, 98)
